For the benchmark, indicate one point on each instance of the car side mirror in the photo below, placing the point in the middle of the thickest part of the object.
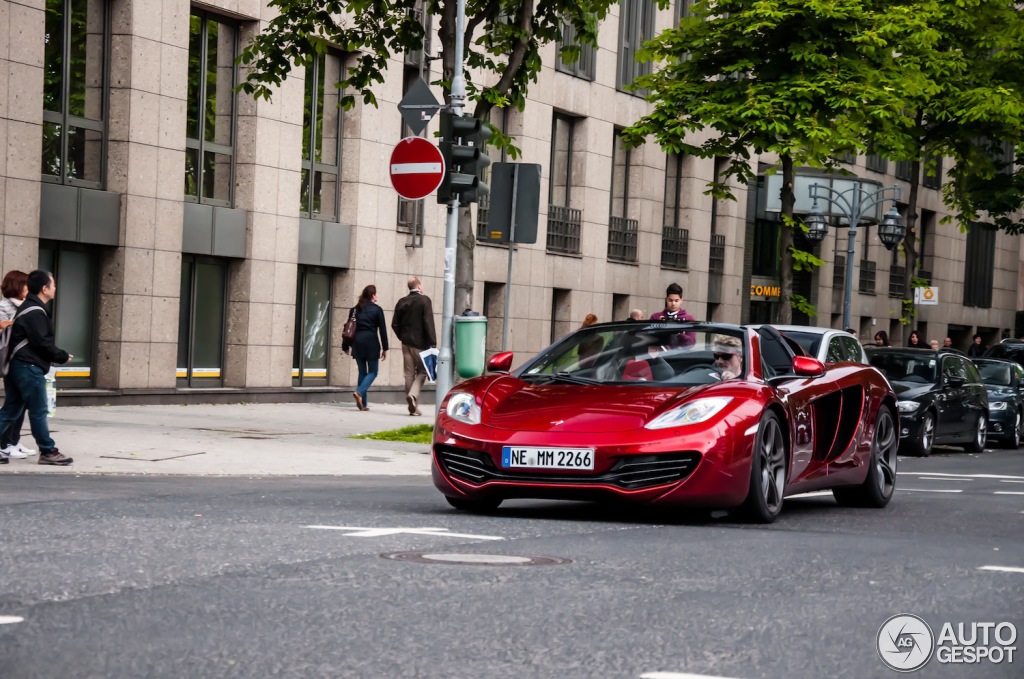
(956, 380)
(500, 363)
(805, 366)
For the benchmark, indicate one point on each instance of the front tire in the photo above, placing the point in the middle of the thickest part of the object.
(1013, 441)
(474, 506)
(977, 444)
(923, 446)
(767, 472)
(878, 487)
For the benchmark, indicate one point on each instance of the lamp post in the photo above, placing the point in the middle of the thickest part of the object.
(854, 204)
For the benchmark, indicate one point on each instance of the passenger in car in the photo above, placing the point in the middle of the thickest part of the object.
(728, 354)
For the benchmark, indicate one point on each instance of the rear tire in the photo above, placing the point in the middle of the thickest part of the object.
(878, 487)
(474, 506)
(1013, 441)
(977, 445)
(767, 472)
(922, 447)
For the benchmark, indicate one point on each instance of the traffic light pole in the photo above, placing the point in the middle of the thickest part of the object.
(445, 372)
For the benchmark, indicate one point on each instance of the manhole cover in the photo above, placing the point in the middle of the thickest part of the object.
(476, 559)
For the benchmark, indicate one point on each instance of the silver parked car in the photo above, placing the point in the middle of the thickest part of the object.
(828, 345)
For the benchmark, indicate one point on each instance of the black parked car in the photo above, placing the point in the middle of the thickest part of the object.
(1007, 350)
(1004, 381)
(941, 398)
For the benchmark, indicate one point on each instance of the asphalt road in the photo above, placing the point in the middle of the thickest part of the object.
(115, 576)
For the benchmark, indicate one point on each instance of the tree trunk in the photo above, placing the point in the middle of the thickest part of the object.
(785, 315)
(910, 251)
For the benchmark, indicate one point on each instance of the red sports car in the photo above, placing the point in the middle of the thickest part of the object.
(675, 414)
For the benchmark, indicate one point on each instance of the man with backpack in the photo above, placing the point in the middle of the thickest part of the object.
(29, 352)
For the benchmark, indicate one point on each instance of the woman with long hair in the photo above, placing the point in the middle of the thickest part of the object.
(915, 340)
(14, 290)
(366, 348)
(882, 338)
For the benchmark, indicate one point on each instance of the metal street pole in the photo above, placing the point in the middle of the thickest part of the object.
(850, 247)
(511, 248)
(445, 374)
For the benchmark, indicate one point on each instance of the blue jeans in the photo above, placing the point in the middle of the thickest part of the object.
(367, 374)
(25, 388)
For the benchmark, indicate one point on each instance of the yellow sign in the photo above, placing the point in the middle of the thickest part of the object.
(765, 290)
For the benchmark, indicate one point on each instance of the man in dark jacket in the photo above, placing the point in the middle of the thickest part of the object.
(413, 322)
(31, 351)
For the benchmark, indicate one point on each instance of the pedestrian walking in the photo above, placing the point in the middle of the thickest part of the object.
(14, 290)
(31, 351)
(365, 347)
(977, 348)
(413, 323)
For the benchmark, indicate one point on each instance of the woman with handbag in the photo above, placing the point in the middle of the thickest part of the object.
(360, 336)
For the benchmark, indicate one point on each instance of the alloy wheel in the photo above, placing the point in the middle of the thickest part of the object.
(773, 465)
(886, 447)
(928, 432)
(982, 432)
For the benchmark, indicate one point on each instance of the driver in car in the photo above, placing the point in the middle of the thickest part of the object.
(728, 354)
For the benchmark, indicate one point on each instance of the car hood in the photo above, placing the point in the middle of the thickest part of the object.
(522, 406)
(909, 392)
(997, 393)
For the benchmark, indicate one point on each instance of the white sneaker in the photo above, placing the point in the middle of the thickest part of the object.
(22, 449)
(13, 453)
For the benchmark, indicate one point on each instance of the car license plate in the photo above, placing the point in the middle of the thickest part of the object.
(547, 458)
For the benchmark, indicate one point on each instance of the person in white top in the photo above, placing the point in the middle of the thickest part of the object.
(14, 290)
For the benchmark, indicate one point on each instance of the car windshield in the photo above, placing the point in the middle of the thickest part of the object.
(908, 368)
(995, 373)
(808, 341)
(642, 353)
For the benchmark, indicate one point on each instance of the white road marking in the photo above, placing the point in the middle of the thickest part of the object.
(970, 476)
(10, 619)
(1002, 569)
(930, 490)
(1008, 481)
(677, 675)
(363, 532)
(1008, 492)
(943, 478)
(816, 493)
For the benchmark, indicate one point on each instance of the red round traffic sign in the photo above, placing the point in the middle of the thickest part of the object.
(416, 169)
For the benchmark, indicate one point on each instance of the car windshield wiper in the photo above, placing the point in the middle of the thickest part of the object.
(561, 376)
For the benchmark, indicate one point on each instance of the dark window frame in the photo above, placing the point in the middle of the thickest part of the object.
(675, 241)
(623, 231)
(187, 381)
(314, 67)
(585, 67)
(66, 120)
(979, 266)
(300, 380)
(201, 145)
(636, 26)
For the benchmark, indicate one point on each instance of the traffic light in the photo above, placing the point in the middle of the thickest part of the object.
(464, 147)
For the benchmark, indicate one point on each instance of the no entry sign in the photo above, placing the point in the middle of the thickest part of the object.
(417, 168)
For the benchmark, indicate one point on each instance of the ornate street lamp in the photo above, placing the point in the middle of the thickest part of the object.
(854, 204)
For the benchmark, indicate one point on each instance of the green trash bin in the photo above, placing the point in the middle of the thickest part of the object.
(470, 345)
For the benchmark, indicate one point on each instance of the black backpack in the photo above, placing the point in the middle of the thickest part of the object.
(5, 341)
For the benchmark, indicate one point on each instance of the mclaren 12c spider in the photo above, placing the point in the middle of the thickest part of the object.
(669, 414)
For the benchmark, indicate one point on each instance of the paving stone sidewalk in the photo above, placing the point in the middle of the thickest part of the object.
(230, 440)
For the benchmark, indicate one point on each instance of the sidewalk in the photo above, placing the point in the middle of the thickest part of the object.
(231, 440)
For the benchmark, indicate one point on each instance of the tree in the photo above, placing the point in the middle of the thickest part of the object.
(786, 77)
(958, 80)
(502, 38)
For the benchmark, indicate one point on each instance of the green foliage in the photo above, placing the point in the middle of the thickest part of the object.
(803, 260)
(416, 433)
(502, 40)
(909, 311)
(801, 304)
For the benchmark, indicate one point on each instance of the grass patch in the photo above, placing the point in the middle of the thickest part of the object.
(415, 433)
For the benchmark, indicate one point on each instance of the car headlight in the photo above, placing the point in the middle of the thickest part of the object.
(463, 407)
(909, 406)
(997, 405)
(690, 413)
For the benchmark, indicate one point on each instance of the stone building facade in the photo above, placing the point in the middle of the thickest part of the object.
(208, 246)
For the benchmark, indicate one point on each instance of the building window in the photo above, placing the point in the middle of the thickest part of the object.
(321, 139)
(417, 57)
(75, 268)
(584, 64)
(904, 170)
(622, 228)
(683, 9)
(765, 256)
(932, 172)
(498, 117)
(979, 263)
(876, 163)
(312, 327)
(561, 309)
(675, 240)
(636, 25)
(201, 321)
(927, 228)
(210, 111)
(410, 212)
(74, 92)
(564, 221)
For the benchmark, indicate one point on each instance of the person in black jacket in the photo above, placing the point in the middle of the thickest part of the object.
(413, 322)
(365, 347)
(31, 350)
